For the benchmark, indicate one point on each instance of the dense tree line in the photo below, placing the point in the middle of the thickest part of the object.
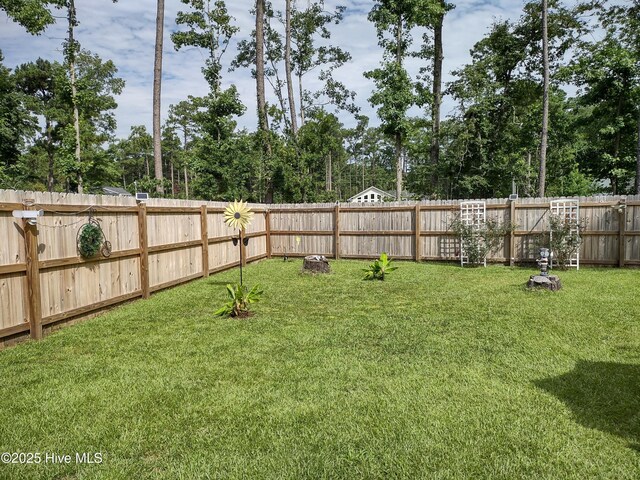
(514, 121)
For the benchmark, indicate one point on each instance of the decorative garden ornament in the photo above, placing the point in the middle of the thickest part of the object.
(91, 240)
(239, 215)
(543, 279)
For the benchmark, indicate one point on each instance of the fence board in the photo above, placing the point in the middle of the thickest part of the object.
(13, 293)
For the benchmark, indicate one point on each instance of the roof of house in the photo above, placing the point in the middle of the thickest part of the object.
(116, 191)
(405, 195)
(371, 189)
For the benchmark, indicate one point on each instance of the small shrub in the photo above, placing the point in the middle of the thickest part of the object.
(378, 269)
(478, 241)
(239, 299)
(564, 239)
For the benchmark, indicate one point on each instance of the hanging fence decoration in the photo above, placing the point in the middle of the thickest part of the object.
(91, 239)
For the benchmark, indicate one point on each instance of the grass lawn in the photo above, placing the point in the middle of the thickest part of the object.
(438, 372)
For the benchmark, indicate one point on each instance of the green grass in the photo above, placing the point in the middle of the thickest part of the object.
(437, 372)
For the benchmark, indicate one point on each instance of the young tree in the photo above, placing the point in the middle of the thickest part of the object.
(133, 156)
(209, 26)
(183, 118)
(41, 84)
(311, 52)
(96, 86)
(394, 88)
(210, 29)
(171, 152)
(321, 145)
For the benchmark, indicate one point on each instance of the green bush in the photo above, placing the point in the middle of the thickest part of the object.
(239, 299)
(564, 239)
(378, 269)
(478, 241)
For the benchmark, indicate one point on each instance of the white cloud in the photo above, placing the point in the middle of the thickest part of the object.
(125, 33)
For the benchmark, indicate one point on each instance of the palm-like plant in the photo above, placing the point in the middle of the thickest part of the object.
(240, 297)
(378, 269)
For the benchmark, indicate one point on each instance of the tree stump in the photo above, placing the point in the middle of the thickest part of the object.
(552, 282)
(316, 264)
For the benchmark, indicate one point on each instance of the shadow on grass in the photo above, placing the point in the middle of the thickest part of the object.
(601, 395)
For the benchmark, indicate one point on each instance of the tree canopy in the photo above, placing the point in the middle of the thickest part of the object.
(53, 108)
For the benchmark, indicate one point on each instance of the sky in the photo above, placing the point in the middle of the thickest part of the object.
(124, 32)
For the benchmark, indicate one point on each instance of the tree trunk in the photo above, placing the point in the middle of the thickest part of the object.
(398, 166)
(277, 91)
(74, 99)
(529, 188)
(328, 183)
(184, 150)
(263, 124)
(287, 66)
(638, 157)
(545, 102)
(50, 157)
(437, 99)
(157, 80)
(173, 183)
(301, 90)
(186, 183)
(263, 120)
(398, 134)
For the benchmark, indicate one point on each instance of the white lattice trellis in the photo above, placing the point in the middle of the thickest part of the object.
(569, 211)
(472, 213)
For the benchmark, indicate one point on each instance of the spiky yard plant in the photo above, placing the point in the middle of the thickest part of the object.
(240, 297)
(379, 268)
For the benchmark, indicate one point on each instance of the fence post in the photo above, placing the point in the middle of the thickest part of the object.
(33, 278)
(267, 227)
(204, 235)
(144, 250)
(512, 237)
(417, 226)
(622, 225)
(336, 231)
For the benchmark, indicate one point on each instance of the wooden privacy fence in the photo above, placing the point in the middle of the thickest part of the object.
(422, 231)
(162, 243)
(155, 245)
